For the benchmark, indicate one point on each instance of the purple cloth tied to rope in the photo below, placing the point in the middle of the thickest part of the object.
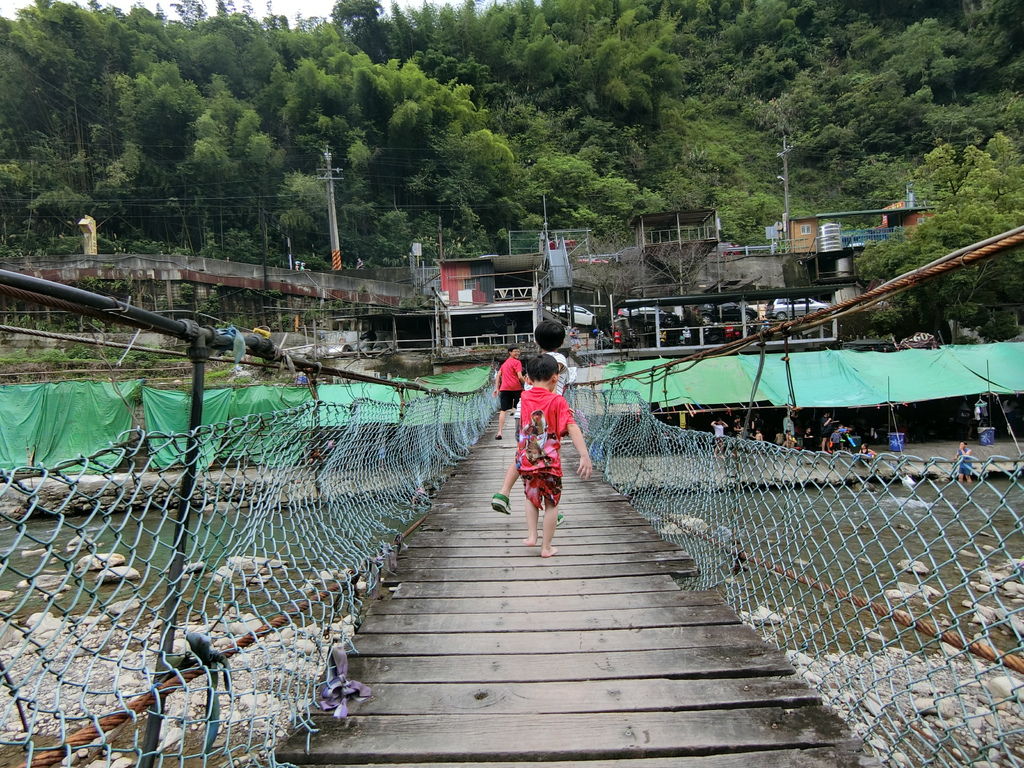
(339, 690)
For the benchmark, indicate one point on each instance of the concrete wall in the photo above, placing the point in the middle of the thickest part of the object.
(346, 285)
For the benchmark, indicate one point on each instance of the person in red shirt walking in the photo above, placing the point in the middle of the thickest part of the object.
(545, 418)
(509, 385)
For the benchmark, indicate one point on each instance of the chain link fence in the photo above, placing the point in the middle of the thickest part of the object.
(292, 518)
(895, 589)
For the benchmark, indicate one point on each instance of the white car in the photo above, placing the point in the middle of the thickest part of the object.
(580, 315)
(784, 309)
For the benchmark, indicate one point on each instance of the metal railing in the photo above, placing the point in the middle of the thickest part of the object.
(525, 293)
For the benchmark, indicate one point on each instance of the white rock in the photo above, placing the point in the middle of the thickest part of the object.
(123, 762)
(118, 573)
(872, 704)
(925, 706)
(914, 566)
(1003, 687)
(43, 623)
(930, 593)
(170, 737)
(46, 582)
(5, 594)
(799, 659)
(692, 524)
(99, 561)
(120, 607)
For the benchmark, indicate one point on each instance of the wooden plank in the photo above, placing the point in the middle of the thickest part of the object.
(464, 643)
(819, 757)
(548, 570)
(529, 557)
(631, 535)
(518, 549)
(586, 696)
(516, 522)
(588, 586)
(566, 736)
(744, 660)
(613, 602)
(604, 528)
(627, 617)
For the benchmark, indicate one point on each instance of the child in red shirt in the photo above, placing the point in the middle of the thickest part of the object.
(509, 383)
(545, 418)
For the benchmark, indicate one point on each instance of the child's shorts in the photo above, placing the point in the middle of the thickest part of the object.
(543, 489)
(509, 399)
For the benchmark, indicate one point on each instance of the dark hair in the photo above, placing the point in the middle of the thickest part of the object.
(513, 347)
(549, 335)
(541, 368)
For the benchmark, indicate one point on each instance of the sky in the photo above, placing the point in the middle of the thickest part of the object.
(289, 8)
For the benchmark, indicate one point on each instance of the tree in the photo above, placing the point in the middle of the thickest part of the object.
(978, 193)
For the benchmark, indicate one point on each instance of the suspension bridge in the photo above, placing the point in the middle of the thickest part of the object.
(485, 652)
(175, 596)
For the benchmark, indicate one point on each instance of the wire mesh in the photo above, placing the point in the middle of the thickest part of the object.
(896, 590)
(293, 516)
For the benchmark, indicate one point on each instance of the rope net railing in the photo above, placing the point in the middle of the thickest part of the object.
(293, 516)
(897, 591)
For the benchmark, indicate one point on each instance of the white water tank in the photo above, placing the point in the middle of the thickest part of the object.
(829, 238)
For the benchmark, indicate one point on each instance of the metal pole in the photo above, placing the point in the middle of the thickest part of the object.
(198, 353)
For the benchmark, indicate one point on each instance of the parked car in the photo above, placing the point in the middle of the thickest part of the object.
(729, 312)
(580, 314)
(784, 309)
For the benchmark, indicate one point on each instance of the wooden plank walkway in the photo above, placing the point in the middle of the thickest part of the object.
(488, 655)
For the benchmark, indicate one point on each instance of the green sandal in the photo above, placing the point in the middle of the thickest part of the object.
(499, 503)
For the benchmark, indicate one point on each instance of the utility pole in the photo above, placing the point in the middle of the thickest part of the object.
(266, 281)
(784, 154)
(332, 214)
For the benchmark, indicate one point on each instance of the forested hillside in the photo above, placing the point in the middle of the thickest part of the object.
(184, 135)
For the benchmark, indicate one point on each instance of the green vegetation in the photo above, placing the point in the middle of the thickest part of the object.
(186, 136)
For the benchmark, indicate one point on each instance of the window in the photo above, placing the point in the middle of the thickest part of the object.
(805, 229)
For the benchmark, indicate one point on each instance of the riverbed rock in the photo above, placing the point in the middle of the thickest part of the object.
(925, 705)
(43, 624)
(1004, 687)
(46, 582)
(691, 524)
(5, 594)
(99, 561)
(914, 566)
(117, 574)
(120, 607)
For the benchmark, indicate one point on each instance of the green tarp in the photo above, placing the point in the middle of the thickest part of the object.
(831, 379)
(45, 424)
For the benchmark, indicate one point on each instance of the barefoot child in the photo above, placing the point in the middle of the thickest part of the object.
(546, 417)
(549, 336)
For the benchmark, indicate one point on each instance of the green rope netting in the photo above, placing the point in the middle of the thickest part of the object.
(293, 517)
(895, 590)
